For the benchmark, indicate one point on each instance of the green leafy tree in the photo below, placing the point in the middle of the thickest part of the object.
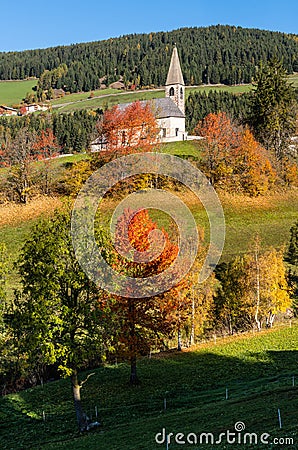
(230, 311)
(4, 357)
(56, 318)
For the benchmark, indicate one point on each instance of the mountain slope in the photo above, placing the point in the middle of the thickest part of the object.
(216, 54)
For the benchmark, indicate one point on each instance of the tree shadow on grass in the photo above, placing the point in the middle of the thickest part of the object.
(220, 389)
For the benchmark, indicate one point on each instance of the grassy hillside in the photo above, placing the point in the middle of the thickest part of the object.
(257, 370)
(80, 101)
(12, 92)
(270, 216)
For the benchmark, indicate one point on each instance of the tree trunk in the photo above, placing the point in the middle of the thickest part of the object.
(81, 416)
(258, 322)
(179, 346)
(270, 320)
(192, 334)
(133, 371)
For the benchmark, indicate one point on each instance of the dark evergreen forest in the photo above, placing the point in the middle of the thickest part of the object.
(216, 54)
(200, 104)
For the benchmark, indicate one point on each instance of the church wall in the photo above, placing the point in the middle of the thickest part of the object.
(175, 129)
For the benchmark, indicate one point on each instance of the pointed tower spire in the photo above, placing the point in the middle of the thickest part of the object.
(175, 74)
(175, 88)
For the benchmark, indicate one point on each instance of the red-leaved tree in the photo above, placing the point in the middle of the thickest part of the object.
(131, 127)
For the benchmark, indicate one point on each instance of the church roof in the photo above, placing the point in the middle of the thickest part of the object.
(175, 74)
(161, 107)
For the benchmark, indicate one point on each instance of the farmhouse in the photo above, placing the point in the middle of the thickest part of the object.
(28, 109)
(6, 111)
(169, 111)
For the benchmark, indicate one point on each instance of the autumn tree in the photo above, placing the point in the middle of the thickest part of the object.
(134, 127)
(19, 157)
(232, 157)
(3, 274)
(253, 290)
(220, 136)
(45, 149)
(273, 109)
(267, 286)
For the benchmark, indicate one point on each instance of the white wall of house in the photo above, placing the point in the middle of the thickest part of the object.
(172, 129)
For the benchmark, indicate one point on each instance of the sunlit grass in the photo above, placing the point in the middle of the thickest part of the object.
(13, 92)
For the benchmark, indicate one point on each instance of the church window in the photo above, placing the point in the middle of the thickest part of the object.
(172, 92)
(164, 132)
(176, 131)
(181, 93)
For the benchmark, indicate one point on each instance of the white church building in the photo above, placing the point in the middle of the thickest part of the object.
(169, 111)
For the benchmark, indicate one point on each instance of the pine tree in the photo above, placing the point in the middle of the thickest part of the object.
(273, 106)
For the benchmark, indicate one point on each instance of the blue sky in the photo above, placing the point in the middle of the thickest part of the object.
(37, 24)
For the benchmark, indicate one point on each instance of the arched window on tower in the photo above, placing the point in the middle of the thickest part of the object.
(172, 93)
(181, 93)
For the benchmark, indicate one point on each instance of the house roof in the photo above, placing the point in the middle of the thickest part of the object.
(161, 107)
(175, 74)
(7, 108)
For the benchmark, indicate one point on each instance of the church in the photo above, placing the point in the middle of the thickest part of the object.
(169, 111)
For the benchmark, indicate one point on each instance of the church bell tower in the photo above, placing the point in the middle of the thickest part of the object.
(175, 87)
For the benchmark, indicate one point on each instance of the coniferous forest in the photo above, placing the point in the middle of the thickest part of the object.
(216, 54)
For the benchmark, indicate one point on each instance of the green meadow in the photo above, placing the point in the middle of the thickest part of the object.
(109, 100)
(12, 92)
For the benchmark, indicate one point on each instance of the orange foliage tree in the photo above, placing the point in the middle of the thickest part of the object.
(142, 322)
(134, 126)
(233, 158)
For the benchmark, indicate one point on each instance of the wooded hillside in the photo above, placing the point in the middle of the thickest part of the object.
(216, 54)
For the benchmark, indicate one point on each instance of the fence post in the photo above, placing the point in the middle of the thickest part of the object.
(279, 418)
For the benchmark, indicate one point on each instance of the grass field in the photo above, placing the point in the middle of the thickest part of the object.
(125, 97)
(12, 92)
(83, 96)
(105, 100)
(294, 79)
(257, 370)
